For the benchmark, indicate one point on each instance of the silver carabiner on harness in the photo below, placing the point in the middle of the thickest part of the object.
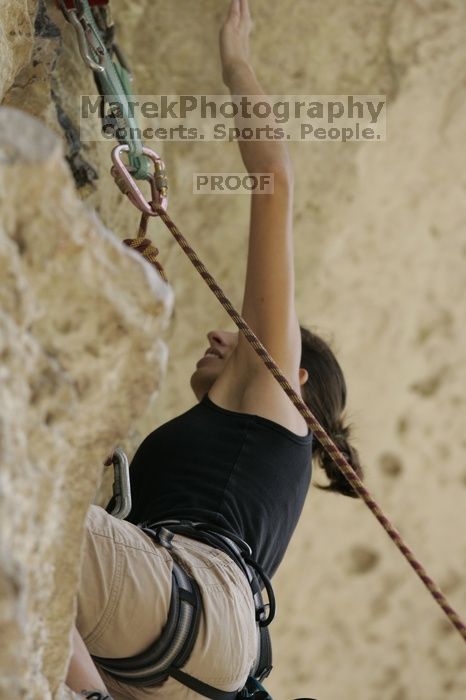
(121, 484)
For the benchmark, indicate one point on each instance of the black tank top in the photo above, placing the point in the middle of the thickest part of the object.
(240, 471)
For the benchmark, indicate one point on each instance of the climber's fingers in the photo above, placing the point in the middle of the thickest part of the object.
(233, 11)
(245, 13)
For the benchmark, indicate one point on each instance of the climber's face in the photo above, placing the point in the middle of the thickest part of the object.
(210, 366)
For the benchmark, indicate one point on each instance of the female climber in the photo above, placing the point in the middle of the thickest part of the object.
(238, 461)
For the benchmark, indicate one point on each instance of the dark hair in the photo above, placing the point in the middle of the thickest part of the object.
(325, 395)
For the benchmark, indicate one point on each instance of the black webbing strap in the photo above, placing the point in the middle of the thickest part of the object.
(202, 688)
(264, 664)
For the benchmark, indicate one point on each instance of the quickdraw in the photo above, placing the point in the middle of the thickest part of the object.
(157, 207)
(95, 33)
(96, 39)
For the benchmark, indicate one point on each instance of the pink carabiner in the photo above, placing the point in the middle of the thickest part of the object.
(122, 175)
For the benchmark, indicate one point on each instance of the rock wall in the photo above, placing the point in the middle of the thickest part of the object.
(380, 257)
(82, 320)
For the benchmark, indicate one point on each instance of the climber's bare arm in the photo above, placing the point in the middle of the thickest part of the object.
(269, 296)
(82, 673)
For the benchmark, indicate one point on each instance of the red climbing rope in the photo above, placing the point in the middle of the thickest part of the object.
(157, 209)
(145, 247)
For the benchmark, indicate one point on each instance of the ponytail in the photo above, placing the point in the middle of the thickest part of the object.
(338, 481)
(324, 393)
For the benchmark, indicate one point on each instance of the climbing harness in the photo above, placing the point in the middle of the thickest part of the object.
(172, 649)
(166, 656)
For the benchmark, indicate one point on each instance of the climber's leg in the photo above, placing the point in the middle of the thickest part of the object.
(82, 673)
(124, 596)
(124, 589)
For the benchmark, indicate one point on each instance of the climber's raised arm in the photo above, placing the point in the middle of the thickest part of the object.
(269, 303)
(239, 77)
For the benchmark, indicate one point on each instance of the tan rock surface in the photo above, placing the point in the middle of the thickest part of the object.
(81, 347)
(380, 254)
(16, 40)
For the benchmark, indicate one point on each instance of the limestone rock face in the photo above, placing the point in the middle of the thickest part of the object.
(82, 320)
(16, 40)
(380, 253)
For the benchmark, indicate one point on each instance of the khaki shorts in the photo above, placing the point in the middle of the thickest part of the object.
(124, 597)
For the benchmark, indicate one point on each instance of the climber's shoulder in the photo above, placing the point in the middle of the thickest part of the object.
(245, 390)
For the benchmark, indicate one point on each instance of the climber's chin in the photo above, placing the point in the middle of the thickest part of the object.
(208, 369)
